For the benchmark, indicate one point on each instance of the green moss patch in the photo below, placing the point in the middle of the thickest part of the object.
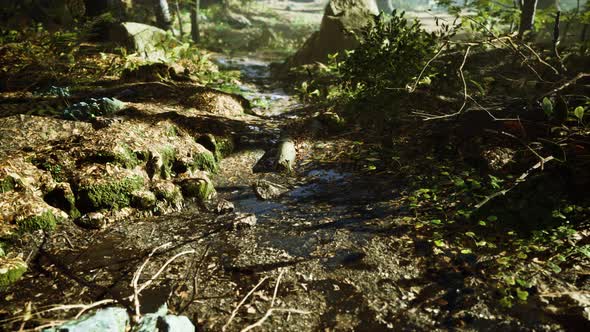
(11, 270)
(45, 221)
(115, 194)
(204, 161)
(7, 184)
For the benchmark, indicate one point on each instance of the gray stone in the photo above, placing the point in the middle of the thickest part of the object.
(93, 220)
(340, 18)
(148, 322)
(171, 323)
(109, 319)
(143, 39)
(267, 190)
(236, 20)
(244, 220)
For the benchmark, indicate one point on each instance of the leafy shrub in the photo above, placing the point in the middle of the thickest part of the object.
(391, 54)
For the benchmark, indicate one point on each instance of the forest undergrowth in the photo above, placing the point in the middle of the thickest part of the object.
(490, 132)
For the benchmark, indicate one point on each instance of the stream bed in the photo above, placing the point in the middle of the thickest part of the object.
(335, 252)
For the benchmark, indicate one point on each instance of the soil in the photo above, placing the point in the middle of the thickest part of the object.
(339, 251)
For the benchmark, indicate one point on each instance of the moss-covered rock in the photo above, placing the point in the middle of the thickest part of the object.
(204, 161)
(201, 188)
(143, 199)
(129, 158)
(11, 270)
(27, 212)
(219, 145)
(106, 187)
(45, 221)
(161, 162)
(169, 193)
(63, 198)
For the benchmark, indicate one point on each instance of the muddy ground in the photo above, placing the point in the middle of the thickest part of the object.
(336, 252)
(339, 250)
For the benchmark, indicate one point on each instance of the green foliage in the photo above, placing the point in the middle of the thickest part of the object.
(391, 54)
(45, 221)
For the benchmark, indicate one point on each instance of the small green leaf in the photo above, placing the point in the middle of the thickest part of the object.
(579, 113)
(466, 251)
(585, 250)
(522, 294)
(482, 223)
(554, 267)
(503, 260)
(547, 106)
(439, 243)
(492, 218)
(436, 221)
(481, 243)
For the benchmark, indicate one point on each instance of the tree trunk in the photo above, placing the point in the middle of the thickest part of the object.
(527, 16)
(179, 14)
(163, 18)
(195, 21)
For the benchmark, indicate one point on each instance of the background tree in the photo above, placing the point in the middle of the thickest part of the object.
(195, 21)
(163, 18)
(527, 16)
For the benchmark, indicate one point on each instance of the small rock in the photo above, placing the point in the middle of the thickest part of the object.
(244, 220)
(143, 199)
(286, 155)
(220, 206)
(109, 319)
(267, 190)
(201, 188)
(92, 220)
(171, 323)
(149, 321)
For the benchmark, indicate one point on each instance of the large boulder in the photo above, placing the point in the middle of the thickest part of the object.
(385, 6)
(341, 17)
(147, 41)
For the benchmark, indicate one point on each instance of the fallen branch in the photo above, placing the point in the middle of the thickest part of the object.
(137, 274)
(465, 94)
(235, 311)
(271, 310)
(566, 84)
(520, 179)
(269, 313)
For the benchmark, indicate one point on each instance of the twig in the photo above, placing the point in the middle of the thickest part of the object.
(269, 313)
(520, 179)
(566, 84)
(235, 311)
(465, 94)
(413, 88)
(274, 295)
(83, 308)
(137, 274)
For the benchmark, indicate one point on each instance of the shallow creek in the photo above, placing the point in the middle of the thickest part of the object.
(336, 252)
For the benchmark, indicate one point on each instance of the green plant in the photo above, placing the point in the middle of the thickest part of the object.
(391, 54)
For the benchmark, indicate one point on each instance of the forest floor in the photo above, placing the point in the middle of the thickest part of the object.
(366, 235)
